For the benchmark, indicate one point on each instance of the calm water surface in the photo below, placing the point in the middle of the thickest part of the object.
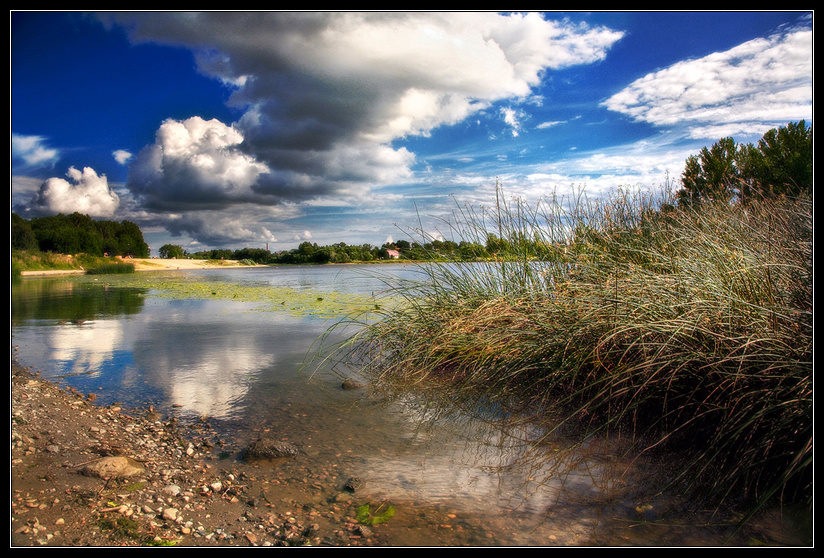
(241, 367)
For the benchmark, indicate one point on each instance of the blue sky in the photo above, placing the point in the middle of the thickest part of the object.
(236, 129)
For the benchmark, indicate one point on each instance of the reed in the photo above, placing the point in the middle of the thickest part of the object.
(680, 330)
(111, 268)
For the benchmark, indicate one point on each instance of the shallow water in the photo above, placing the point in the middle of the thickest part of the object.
(239, 362)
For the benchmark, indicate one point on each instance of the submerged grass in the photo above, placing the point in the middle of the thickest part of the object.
(111, 268)
(295, 302)
(679, 330)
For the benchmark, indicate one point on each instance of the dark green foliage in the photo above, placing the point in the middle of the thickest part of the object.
(784, 161)
(311, 253)
(112, 268)
(22, 236)
(168, 251)
(781, 164)
(434, 250)
(713, 174)
(68, 234)
(257, 255)
(77, 233)
(129, 241)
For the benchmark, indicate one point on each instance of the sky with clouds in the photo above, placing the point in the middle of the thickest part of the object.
(254, 129)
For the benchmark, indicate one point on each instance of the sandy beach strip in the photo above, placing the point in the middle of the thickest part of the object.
(147, 264)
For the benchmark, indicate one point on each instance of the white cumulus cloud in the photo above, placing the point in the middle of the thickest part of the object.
(85, 192)
(195, 163)
(326, 94)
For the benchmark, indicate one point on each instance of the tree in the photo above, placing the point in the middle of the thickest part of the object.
(22, 236)
(780, 164)
(169, 251)
(129, 241)
(784, 160)
(68, 234)
(713, 174)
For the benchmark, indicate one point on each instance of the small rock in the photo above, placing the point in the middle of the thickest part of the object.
(268, 448)
(170, 514)
(353, 483)
(349, 384)
(113, 467)
(342, 497)
(216, 486)
(171, 490)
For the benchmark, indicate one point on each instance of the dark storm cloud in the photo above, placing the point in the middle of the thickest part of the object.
(325, 95)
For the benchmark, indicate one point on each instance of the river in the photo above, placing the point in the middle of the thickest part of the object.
(235, 354)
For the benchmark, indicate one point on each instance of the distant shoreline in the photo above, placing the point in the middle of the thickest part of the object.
(147, 264)
(159, 264)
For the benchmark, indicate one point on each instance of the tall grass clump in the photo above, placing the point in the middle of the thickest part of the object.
(111, 268)
(686, 330)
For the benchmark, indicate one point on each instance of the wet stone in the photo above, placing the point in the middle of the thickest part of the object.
(353, 484)
(269, 448)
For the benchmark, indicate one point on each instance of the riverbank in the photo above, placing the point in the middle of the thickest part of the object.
(83, 474)
(175, 484)
(146, 264)
(86, 475)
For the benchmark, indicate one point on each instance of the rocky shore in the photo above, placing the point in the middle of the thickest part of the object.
(87, 475)
(83, 474)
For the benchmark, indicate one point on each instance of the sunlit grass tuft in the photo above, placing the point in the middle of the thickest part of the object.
(679, 330)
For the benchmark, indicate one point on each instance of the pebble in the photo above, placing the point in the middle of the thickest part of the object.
(170, 514)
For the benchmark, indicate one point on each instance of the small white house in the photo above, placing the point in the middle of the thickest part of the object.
(394, 254)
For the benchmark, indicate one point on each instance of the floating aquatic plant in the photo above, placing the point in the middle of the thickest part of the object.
(304, 302)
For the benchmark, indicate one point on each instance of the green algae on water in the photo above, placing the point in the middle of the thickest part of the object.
(268, 298)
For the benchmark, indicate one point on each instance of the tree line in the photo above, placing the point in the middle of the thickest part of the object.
(780, 164)
(78, 233)
(312, 253)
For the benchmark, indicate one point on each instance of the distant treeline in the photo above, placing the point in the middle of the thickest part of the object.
(78, 233)
(309, 252)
